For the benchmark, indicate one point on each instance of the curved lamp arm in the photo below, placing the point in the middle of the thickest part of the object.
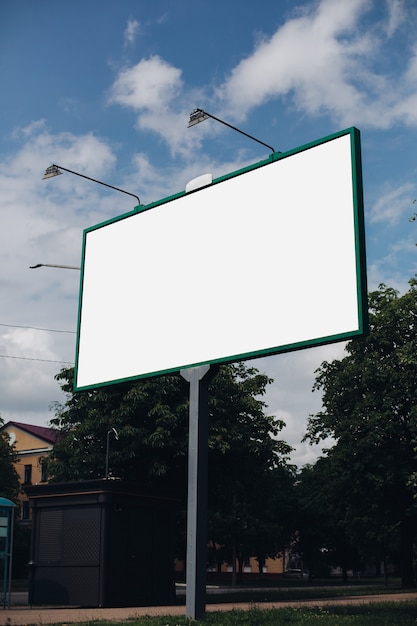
(198, 115)
(54, 170)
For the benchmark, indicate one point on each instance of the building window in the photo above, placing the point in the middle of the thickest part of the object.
(44, 470)
(27, 476)
(25, 510)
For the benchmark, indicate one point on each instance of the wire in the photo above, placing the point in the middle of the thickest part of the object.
(49, 330)
(27, 358)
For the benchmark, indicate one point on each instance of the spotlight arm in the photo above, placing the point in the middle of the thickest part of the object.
(195, 115)
(94, 180)
(64, 267)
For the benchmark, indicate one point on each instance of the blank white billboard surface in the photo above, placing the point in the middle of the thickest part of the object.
(267, 259)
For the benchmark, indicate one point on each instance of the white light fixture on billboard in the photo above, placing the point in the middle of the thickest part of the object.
(51, 171)
(198, 115)
(199, 182)
(54, 170)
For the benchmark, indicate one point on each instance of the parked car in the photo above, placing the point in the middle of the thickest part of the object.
(295, 573)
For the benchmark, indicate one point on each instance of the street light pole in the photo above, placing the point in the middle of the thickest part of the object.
(199, 115)
(54, 170)
(116, 436)
(63, 267)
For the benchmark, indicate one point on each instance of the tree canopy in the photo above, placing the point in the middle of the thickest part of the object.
(370, 409)
(151, 419)
(9, 479)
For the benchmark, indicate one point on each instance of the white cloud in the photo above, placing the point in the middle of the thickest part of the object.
(393, 204)
(290, 396)
(387, 271)
(27, 342)
(396, 16)
(406, 97)
(31, 129)
(131, 31)
(44, 219)
(150, 84)
(43, 223)
(86, 154)
(154, 90)
(411, 72)
(325, 60)
(306, 56)
(156, 183)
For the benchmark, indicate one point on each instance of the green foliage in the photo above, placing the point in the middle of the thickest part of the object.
(247, 461)
(249, 479)
(324, 539)
(384, 614)
(370, 409)
(9, 479)
(149, 416)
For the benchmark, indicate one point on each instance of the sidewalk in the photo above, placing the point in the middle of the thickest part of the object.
(26, 616)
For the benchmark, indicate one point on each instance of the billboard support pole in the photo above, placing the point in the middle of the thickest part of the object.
(198, 377)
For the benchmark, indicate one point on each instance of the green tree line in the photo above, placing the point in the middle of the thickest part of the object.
(355, 506)
(246, 455)
(367, 479)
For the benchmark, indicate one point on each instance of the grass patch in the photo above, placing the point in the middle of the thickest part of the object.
(384, 614)
(258, 596)
(287, 591)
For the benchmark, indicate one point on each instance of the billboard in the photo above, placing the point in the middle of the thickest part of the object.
(269, 258)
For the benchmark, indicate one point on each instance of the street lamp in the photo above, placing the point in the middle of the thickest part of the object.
(198, 115)
(64, 267)
(54, 170)
(116, 436)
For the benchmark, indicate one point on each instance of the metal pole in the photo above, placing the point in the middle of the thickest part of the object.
(64, 267)
(96, 181)
(197, 491)
(5, 574)
(107, 455)
(242, 132)
(116, 436)
(6, 557)
(11, 555)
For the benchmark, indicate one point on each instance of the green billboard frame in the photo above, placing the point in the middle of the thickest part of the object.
(98, 278)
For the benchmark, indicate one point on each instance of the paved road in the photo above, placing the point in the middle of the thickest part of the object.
(25, 616)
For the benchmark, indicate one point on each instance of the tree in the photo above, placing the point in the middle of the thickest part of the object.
(9, 479)
(10, 489)
(245, 459)
(252, 515)
(370, 409)
(151, 418)
(323, 539)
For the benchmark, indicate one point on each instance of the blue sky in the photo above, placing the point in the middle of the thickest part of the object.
(105, 88)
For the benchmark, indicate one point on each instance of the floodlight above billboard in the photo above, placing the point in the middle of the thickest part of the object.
(267, 259)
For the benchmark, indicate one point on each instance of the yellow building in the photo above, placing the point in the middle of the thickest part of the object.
(32, 446)
(275, 567)
(272, 566)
